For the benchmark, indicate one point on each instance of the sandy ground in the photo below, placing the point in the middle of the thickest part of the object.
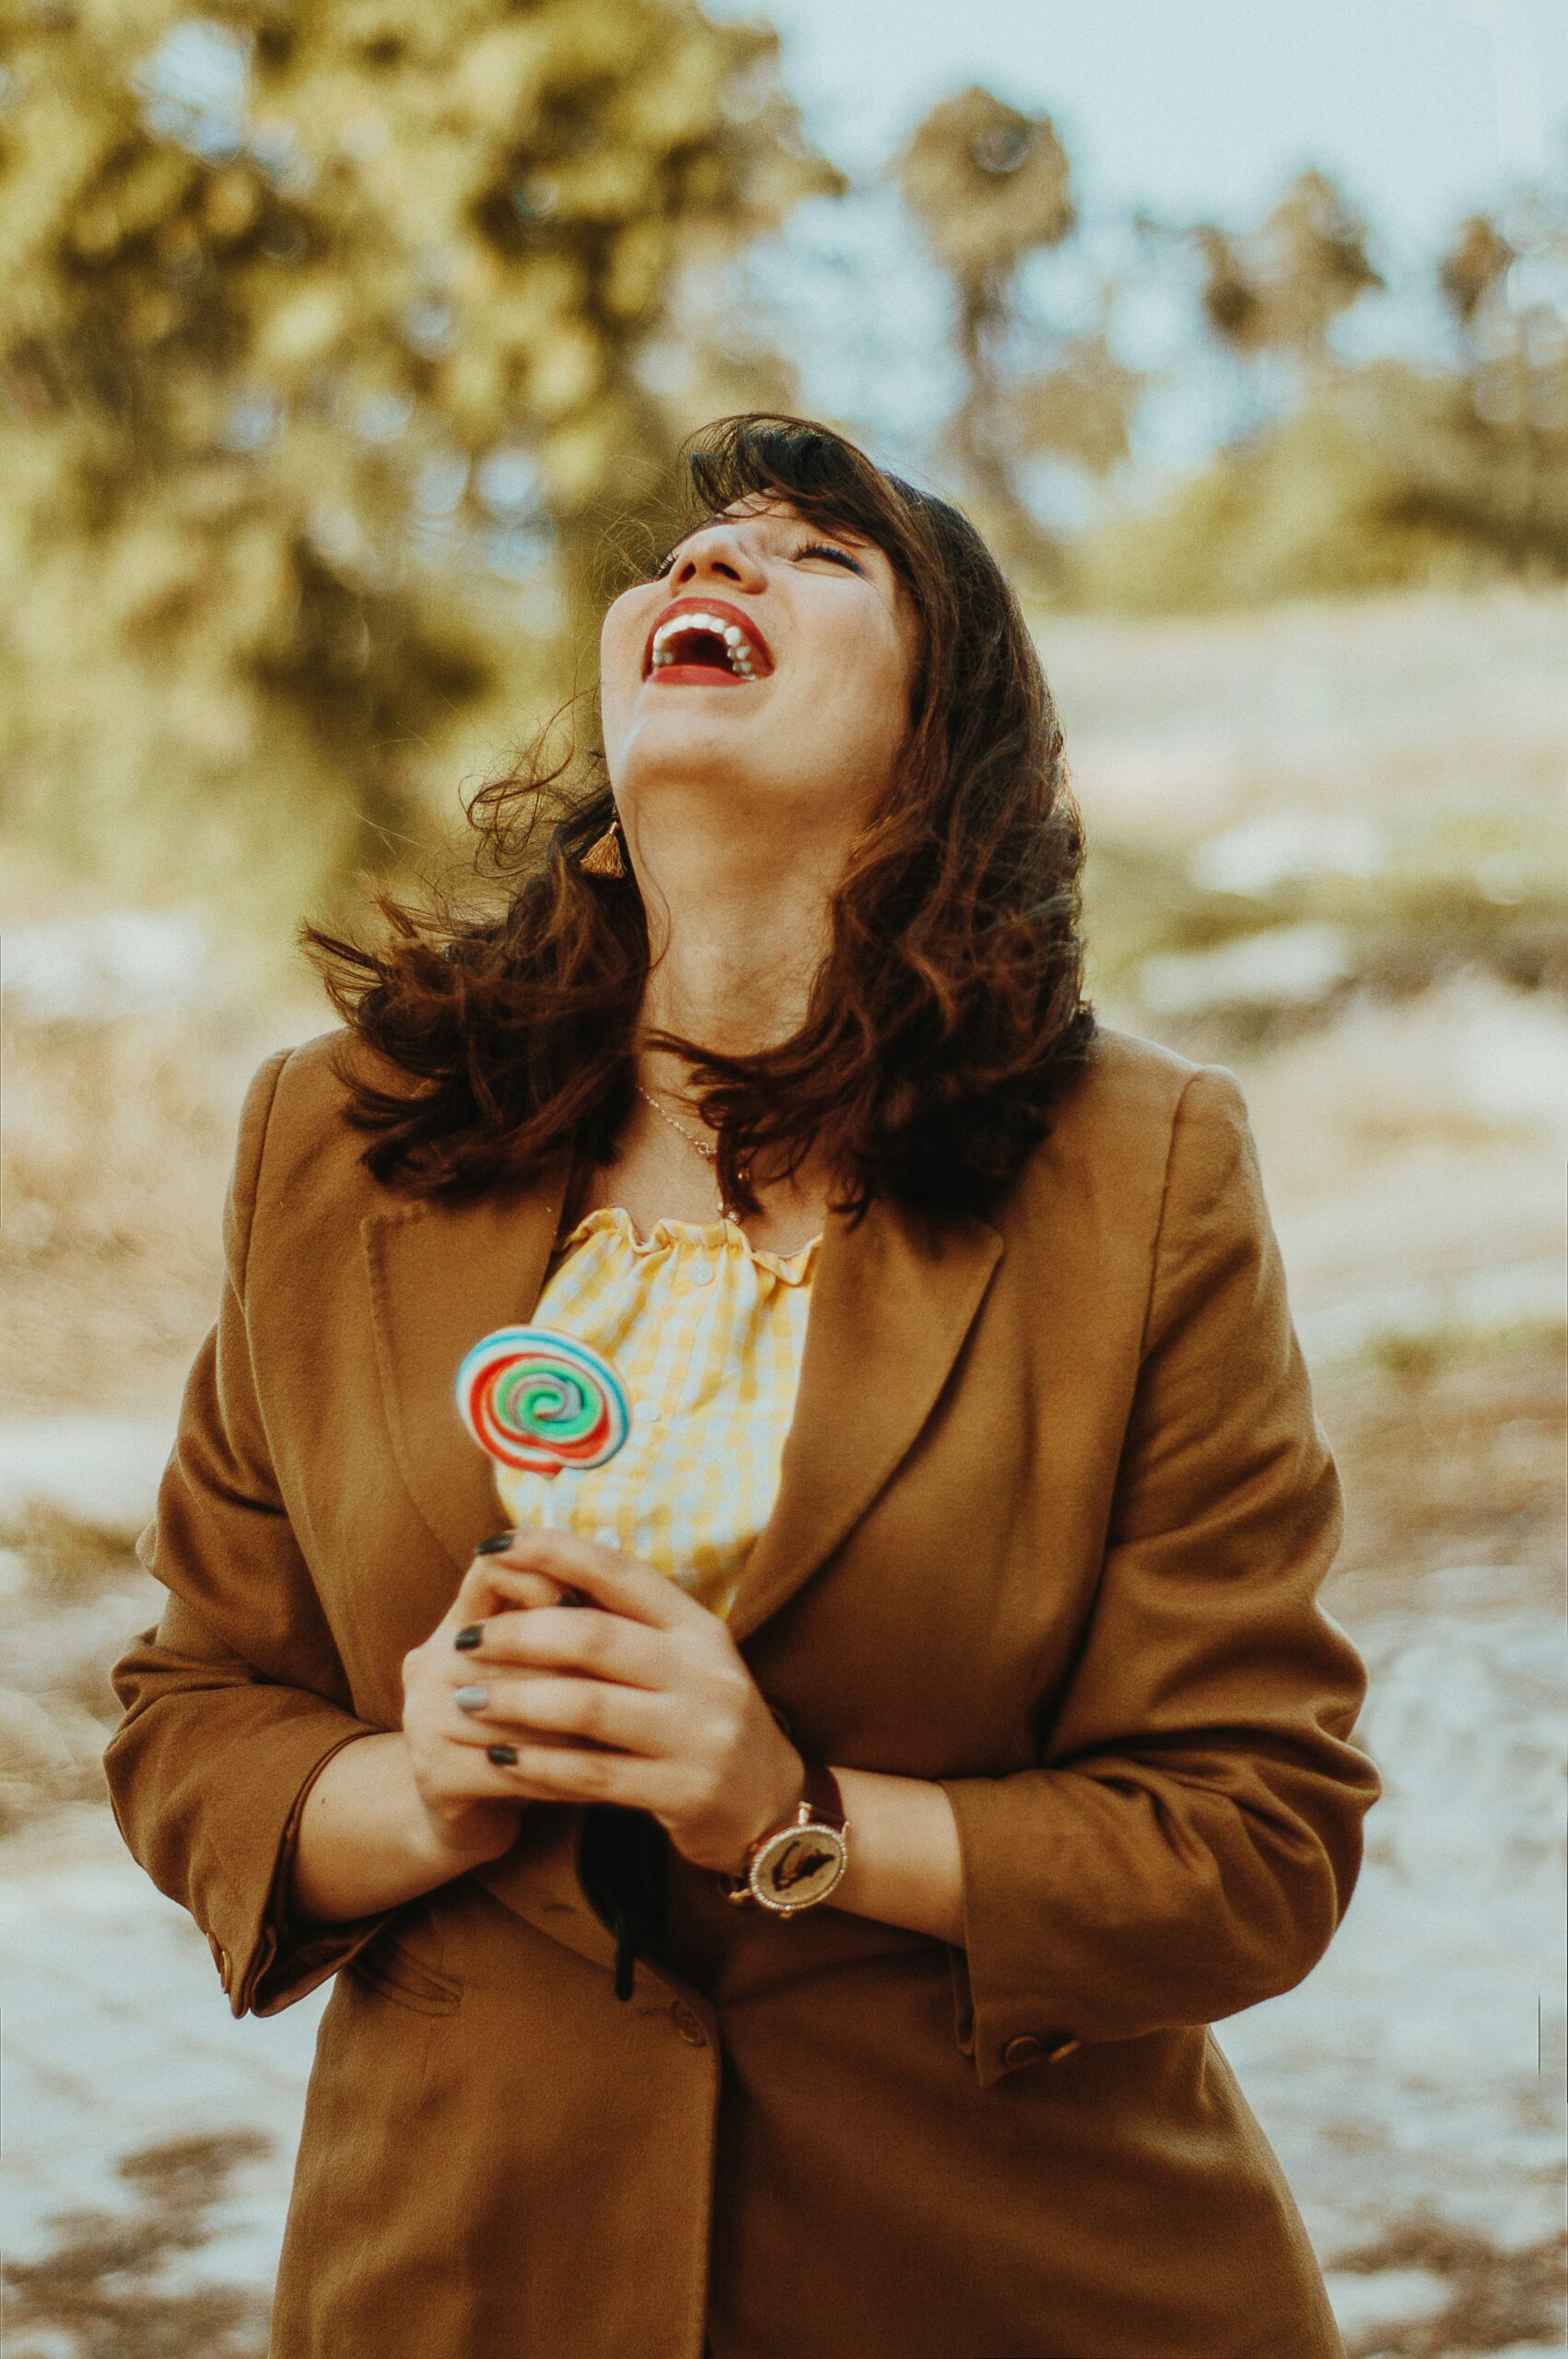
(1414, 1147)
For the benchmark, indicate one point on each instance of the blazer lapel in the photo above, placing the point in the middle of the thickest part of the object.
(891, 1307)
(441, 1277)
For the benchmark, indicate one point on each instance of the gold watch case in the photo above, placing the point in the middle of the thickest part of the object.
(793, 1867)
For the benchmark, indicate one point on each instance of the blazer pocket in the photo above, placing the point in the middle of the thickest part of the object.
(393, 1969)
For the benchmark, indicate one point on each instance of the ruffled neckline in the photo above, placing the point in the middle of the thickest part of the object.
(708, 1239)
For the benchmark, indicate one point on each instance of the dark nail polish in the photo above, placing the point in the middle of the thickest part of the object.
(466, 1640)
(503, 1755)
(494, 1545)
(472, 1699)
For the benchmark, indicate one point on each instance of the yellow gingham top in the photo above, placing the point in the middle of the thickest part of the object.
(707, 1332)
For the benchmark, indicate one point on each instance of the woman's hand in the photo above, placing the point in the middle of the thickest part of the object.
(645, 1702)
(471, 1805)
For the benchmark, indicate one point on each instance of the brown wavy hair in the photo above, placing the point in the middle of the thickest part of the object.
(948, 1014)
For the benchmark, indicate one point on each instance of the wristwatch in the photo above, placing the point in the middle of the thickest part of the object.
(794, 1865)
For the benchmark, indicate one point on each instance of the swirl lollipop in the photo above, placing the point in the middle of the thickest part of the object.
(538, 1401)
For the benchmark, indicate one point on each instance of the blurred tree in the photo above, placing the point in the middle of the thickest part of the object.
(987, 186)
(1282, 288)
(1495, 476)
(1378, 474)
(320, 379)
(1472, 267)
(1080, 409)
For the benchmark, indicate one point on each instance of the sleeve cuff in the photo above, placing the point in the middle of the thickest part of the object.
(1000, 2028)
(265, 1960)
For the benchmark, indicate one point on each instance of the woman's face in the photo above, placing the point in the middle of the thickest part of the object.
(766, 674)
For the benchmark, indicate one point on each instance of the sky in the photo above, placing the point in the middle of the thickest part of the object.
(1421, 110)
(1422, 106)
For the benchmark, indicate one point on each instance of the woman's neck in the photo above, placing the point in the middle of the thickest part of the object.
(736, 932)
(737, 927)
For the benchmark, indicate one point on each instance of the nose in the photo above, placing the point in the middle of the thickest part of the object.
(719, 554)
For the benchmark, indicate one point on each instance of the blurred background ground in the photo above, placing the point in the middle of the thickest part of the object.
(342, 364)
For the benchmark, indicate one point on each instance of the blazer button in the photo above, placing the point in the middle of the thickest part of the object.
(1027, 2049)
(220, 1959)
(686, 2024)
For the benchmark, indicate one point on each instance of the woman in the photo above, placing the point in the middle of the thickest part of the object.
(999, 1569)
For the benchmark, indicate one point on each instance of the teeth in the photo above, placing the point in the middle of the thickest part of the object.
(737, 646)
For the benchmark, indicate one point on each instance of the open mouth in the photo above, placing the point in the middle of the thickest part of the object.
(706, 644)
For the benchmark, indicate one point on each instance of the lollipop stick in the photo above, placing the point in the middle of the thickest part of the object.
(548, 1511)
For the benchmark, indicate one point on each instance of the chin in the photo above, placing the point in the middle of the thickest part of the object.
(694, 787)
(678, 741)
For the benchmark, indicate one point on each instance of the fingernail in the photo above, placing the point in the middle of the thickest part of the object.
(503, 1755)
(494, 1545)
(472, 1699)
(466, 1640)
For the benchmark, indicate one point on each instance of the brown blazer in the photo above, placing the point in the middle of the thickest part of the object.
(1054, 1512)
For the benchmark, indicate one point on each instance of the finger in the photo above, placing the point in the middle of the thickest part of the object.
(476, 1732)
(461, 1715)
(453, 1744)
(497, 1781)
(628, 1720)
(620, 1584)
(494, 1585)
(596, 1645)
(629, 1779)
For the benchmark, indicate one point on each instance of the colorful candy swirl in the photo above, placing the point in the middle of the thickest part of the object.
(536, 1400)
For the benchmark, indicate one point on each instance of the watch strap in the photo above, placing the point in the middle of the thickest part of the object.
(821, 1794)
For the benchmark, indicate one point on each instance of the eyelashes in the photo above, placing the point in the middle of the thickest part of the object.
(826, 548)
(809, 548)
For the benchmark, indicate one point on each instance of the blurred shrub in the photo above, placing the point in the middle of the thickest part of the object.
(319, 379)
(1387, 476)
(1369, 476)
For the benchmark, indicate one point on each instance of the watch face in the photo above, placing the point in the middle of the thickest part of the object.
(799, 1865)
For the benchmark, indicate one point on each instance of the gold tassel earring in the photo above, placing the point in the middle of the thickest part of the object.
(605, 858)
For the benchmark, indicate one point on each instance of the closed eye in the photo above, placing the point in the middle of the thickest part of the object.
(810, 549)
(826, 548)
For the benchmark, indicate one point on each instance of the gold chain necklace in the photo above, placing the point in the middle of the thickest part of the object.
(708, 1154)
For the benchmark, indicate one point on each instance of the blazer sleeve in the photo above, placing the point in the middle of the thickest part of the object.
(236, 1700)
(1192, 1835)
